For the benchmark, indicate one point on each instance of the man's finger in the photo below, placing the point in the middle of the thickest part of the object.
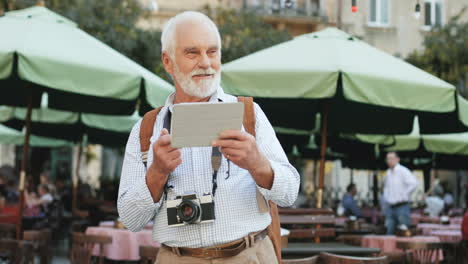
(231, 152)
(175, 163)
(228, 143)
(173, 155)
(164, 132)
(233, 134)
(164, 140)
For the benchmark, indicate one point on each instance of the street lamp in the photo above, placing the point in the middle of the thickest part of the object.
(417, 10)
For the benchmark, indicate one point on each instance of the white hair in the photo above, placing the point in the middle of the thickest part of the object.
(168, 33)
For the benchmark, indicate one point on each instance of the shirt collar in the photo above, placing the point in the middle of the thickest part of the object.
(219, 94)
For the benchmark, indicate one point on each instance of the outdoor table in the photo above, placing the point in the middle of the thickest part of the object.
(307, 219)
(456, 220)
(450, 236)
(387, 243)
(125, 244)
(418, 218)
(360, 231)
(427, 228)
(309, 249)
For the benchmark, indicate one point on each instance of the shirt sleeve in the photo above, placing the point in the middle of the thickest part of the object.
(135, 204)
(286, 178)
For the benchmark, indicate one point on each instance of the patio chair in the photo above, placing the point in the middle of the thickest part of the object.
(353, 240)
(16, 251)
(40, 241)
(8, 231)
(327, 258)
(309, 260)
(148, 254)
(84, 244)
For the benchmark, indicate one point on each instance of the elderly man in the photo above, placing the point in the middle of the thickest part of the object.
(399, 184)
(191, 54)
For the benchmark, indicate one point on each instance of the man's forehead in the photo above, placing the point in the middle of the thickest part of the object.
(192, 34)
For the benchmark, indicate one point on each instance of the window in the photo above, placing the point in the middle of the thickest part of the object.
(433, 13)
(379, 12)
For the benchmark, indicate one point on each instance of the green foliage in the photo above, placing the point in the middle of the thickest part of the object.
(244, 33)
(446, 53)
(115, 23)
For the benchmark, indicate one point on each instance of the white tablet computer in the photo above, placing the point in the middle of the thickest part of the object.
(198, 124)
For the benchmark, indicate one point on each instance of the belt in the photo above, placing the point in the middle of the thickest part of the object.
(398, 204)
(220, 251)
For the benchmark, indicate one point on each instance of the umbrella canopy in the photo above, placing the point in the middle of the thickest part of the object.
(43, 52)
(108, 130)
(12, 136)
(367, 90)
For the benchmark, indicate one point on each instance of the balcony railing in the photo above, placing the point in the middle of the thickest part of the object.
(283, 7)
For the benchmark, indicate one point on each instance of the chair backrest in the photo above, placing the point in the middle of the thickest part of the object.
(312, 233)
(16, 251)
(148, 254)
(40, 240)
(422, 252)
(8, 231)
(309, 260)
(83, 241)
(354, 240)
(327, 258)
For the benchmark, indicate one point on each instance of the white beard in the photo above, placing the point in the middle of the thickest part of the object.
(202, 88)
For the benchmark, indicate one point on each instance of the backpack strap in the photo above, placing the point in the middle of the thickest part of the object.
(249, 114)
(273, 229)
(146, 132)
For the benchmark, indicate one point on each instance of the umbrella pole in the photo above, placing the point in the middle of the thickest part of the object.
(19, 226)
(76, 177)
(323, 149)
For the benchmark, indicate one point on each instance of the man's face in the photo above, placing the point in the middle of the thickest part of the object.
(196, 63)
(392, 160)
(354, 191)
(41, 191)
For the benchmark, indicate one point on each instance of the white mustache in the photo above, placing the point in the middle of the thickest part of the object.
(201, 71)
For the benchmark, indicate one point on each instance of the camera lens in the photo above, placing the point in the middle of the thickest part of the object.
(188, 211)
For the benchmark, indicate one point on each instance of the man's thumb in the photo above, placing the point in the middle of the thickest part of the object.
(164, 132)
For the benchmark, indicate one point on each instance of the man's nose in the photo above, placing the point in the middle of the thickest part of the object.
(204, 62)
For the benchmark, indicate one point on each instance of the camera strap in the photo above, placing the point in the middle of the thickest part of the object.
(216, 157)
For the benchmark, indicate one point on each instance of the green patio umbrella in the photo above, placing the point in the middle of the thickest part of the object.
(15, 137)
(356, 87)
(44, 53)
(108, 130)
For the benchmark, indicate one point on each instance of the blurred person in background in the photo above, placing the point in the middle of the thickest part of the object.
(434, 202)
(399, 183)
(349, 204)
(44, 180)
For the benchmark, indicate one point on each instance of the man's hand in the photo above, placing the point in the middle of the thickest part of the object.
(241, 148)
(165, 160)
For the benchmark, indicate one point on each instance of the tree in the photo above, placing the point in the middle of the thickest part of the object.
(244, 33)
(446, 53)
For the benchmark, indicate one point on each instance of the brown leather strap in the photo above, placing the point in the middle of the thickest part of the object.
(249, 114)
(273, 229)
(220, 251)
(146, 131)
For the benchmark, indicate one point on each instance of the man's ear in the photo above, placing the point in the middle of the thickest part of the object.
(168, 63)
